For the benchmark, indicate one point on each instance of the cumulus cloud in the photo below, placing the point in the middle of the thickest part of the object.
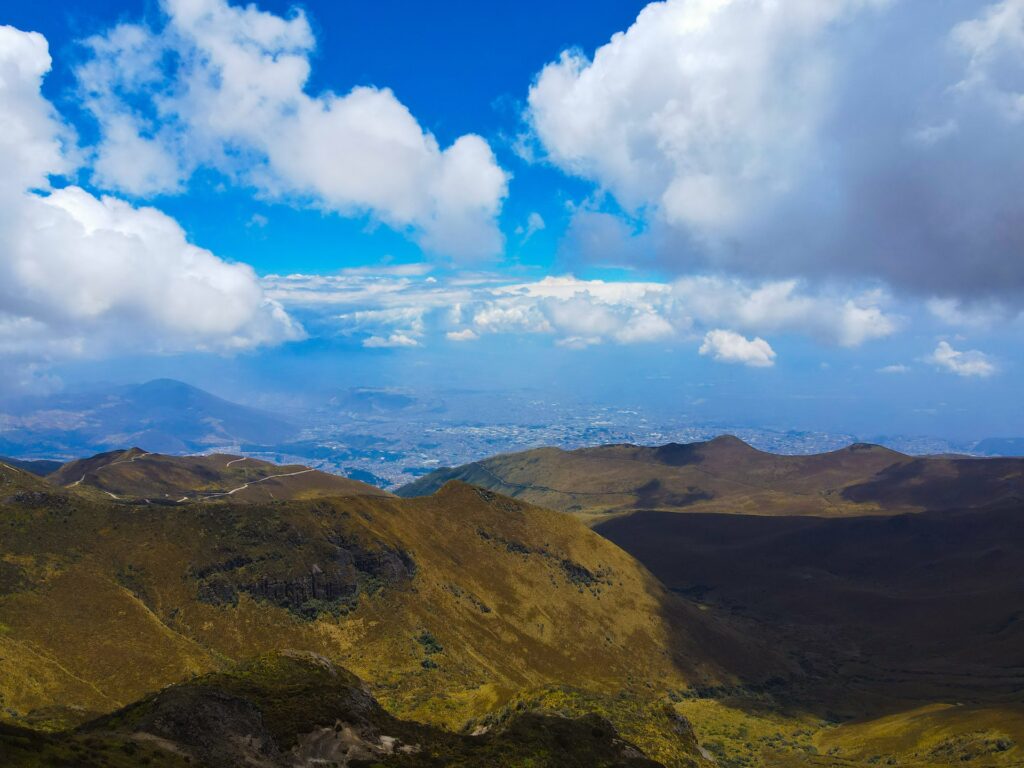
(762, 137)
(233, 97)
(969, 363)
(731, 347)
(785, 306)
(701, 108)
(86, 275)
(466, 334)
(894, 368)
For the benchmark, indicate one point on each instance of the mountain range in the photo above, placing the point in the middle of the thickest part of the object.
(683, 605)
(727, 476)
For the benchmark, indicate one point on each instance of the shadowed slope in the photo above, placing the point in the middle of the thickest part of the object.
(926, 607)
(40, 467)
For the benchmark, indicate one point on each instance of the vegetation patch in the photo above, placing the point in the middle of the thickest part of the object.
(429, 642)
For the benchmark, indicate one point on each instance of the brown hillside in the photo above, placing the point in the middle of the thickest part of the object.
(135, 475)
(725, 475)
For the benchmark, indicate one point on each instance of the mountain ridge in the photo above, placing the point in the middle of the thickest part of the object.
(726, 475)
(139, 475)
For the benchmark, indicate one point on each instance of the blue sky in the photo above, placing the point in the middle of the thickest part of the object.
(777, 214)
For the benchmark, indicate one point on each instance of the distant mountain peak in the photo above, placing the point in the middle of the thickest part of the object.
(163, 415)
(729, 441)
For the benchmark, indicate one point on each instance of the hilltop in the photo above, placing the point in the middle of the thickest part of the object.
(137, 475)
(725, 475)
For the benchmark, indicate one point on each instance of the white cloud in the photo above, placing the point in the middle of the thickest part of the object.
(534, 224)
(466, 334)
(969, 363)
(578, 342)
(81, 275)
(895, 368)
(644, 326)
(781, 306)
(390, 327)
(979, 316)
(731, 347)
(994, 45)
(32, 136)
(760, 137)
(237, 102)
(700, 108)
(393, 340)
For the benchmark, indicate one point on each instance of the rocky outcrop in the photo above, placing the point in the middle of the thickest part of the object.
(330, 584)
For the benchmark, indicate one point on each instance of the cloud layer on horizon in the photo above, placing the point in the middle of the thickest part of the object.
(412, 308)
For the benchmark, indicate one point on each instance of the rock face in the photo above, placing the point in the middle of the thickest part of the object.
(350, 569)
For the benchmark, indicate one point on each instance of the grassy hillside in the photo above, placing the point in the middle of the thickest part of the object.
(135, 475)
(725, 475)
(291, 709)
(14, 480)
(448, 606)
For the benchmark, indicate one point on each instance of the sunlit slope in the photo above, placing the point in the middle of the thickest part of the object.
(14, 480)
(137, 475)
(725, 475)
(447, 605)
(937, 735)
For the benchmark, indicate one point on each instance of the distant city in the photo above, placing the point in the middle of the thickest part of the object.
(387, 437)
(391, 446)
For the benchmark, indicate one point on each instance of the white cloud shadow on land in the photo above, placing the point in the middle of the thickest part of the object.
(233, 98)
(82, 275)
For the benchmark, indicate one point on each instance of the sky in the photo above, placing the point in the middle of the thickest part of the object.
(792, 213)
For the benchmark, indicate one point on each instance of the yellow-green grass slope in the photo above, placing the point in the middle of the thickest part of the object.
(448, 606)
